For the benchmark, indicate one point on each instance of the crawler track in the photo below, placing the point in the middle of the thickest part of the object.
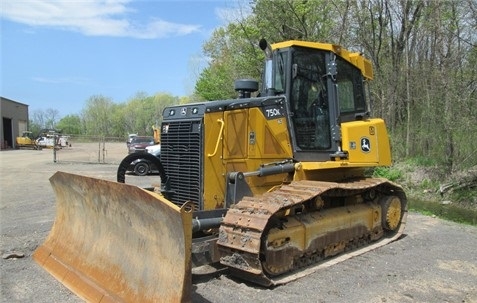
(242, 237)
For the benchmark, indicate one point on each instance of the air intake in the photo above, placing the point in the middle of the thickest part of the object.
(181, 148)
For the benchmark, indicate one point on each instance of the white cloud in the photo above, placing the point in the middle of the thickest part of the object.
(91, 17)
(235, 11)
(64, 80)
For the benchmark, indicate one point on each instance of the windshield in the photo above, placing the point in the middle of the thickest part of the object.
(309, 100)
(143, 140)
(280, 70)
(274, 78)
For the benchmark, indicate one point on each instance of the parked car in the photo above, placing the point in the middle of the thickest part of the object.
(142, 167)
(130, 137)
(139, 143)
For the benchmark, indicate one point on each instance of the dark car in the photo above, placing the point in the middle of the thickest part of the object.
(142, 167)
(139, 143)
(130, 137)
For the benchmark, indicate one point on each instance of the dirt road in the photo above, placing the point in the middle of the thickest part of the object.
(436, 260)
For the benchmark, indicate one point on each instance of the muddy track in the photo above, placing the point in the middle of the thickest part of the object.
(245, 224)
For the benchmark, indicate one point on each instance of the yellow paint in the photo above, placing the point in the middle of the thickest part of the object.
(300, 231)
(356, 59)
(353, 133)
(248, 141)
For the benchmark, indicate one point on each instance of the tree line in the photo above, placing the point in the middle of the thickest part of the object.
(424, 54)
(103, 117)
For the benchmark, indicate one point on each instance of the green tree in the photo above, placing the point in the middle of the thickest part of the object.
(423, 52)
(70, 124)
(214, 83)
(233, 55)
(97, 116)
(313, 20)
(142, 112)
(233, 49)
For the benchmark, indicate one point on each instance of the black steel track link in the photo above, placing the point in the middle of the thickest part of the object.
(244, 225)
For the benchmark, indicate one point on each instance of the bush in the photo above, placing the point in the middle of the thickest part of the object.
(389, 173)
(421, 161)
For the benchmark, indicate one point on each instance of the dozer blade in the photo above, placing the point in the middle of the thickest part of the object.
(113, 242)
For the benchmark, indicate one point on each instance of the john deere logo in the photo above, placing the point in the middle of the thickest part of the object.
(365, 145)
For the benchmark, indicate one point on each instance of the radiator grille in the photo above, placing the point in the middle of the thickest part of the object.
(181, 148)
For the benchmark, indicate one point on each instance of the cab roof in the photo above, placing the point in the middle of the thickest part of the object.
(357, 59)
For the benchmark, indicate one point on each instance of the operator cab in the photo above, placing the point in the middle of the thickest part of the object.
(324, 88)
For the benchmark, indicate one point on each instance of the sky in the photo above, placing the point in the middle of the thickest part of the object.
(56, 54)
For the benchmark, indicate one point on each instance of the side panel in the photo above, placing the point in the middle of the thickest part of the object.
(214, 169)
(249, 135)
(252, 141)
(268, 138)
(366, 142)
(235, 137)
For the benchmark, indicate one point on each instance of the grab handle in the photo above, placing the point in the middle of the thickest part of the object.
(221, 122)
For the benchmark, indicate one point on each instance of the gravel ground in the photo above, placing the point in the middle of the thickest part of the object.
(435, 261)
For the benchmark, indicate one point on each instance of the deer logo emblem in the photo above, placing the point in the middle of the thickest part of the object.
(365, 145)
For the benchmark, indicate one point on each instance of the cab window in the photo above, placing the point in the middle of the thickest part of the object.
(350, 88)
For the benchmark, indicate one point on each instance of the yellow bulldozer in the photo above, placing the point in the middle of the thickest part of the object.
(27, 141)
(274, 185)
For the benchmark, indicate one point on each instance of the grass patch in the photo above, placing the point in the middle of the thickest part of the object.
(450, 212)
(421, 162)
(390, 173)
